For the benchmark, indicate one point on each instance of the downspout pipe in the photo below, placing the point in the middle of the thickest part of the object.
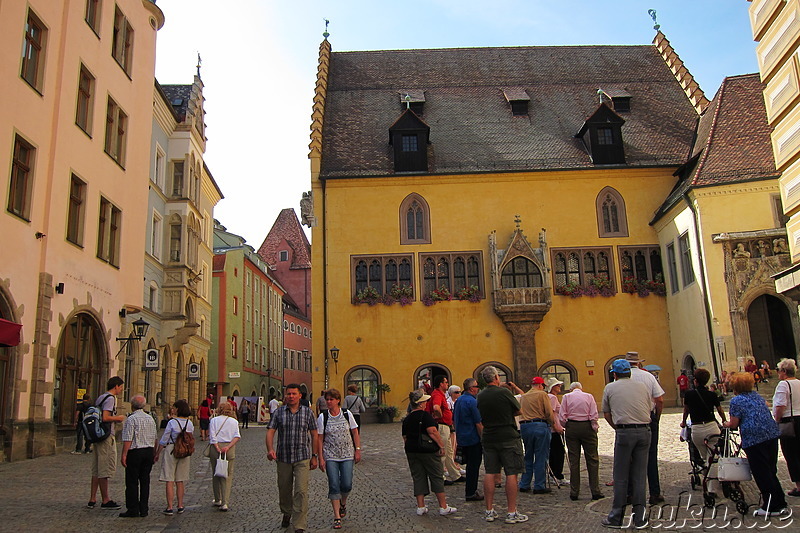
(325, 279)
(706, 296)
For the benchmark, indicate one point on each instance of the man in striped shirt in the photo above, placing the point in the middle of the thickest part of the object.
(138, 438)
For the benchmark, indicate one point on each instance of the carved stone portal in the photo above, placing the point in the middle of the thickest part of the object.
(521, 297)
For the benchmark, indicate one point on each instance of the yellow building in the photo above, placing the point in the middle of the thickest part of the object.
(722, 229)
(77, 79)
(776, 28)
(504, 195)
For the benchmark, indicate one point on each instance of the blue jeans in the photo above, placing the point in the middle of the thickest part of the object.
(340, 478)
(536, 437)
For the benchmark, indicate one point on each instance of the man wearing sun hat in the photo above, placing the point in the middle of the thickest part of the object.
(657, 395)
(534, 425)
(556, 459)
(626, 407)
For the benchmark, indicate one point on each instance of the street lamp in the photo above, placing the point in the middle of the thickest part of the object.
(140, 328)
(335, 357)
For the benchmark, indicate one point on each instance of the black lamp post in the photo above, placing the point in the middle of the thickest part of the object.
(335, 357)
(140, 328)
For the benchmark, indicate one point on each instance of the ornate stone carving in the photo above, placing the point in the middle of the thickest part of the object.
(307, 217)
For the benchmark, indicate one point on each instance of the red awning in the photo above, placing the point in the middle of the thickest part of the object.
(9, 333)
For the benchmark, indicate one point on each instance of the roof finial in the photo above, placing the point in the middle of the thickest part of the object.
(652, 13)
(325, 33)
(199, 62)
(517, 220)
(407, 100)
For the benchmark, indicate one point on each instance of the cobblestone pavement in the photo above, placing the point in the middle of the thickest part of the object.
(50, 494)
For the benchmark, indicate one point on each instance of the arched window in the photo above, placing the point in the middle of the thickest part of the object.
(79, 366)
(424, 375)
(415, 225)
(367, 381)
(502, 371)
(521, 272)
(561, 370)
(180, 380)
(168, 397)
(612, 220)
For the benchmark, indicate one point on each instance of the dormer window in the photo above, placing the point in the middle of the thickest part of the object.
(518, 99)
(602, 136)
(620, 99)
(409, 137)
(413, 99)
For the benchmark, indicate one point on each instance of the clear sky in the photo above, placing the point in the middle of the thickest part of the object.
(260, 62)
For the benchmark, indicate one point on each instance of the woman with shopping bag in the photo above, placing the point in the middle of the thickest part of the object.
(223, 433)
(759, 432)
(786, 410)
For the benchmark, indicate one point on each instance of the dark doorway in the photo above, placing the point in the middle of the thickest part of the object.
(771, 335)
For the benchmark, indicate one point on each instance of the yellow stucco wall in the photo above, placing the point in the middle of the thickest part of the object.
(363, 218)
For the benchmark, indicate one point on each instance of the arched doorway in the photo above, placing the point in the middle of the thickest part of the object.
(7, 358)
(771, 335)
(425, 375)
(367, 380)
(79, 366)
(689, 363)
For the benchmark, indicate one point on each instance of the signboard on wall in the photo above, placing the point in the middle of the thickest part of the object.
(194, 372)
(151, 359)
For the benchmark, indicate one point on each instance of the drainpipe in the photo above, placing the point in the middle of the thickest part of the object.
(706, 298)
(325, 281)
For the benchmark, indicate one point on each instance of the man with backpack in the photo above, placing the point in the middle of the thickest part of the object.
(104, 460)
(138, 437)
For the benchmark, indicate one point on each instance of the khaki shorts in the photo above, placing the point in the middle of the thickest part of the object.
(105, 458)
(173, 469)
(507, 455)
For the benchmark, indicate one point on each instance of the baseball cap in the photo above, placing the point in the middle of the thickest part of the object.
(621, 366)
(537, 381)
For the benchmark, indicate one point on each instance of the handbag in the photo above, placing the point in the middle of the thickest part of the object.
(207, 451)
(732, 468)
(787, 424)
(426, 443)
(221, 470)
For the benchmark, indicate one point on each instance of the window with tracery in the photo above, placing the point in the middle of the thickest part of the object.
(381, 273)
(452, 271)
(414, 220)
(611, 216)
(521, 272)
(581, 266)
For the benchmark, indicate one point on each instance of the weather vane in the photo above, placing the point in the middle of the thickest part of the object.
(326, 34)
(652, 13)
(199, 62)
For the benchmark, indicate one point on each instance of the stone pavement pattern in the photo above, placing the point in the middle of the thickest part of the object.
(50, 494)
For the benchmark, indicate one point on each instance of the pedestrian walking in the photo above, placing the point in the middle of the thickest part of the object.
(657, 405)
(80, 409)
(138, 440)
(322, 405)
(427, 470)
(204, 416)
(578, 415)
(353, 403)
(786, 409)
(535, 422)
(297, 435)
(104, 460)
(223, 435)
(502, 447)
(700, 404)
(468, 425)
(626, 408)
(175, 471)
(244, 410)
(340, 448)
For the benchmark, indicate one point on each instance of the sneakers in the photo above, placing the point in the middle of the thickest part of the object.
(168, 512)
(110, 505)
(421, 511)
(462, 472)
(516, 518)
(91, 505)
(447, 510)
(224, 508)
(764, 512)
(180, 510)
(75, 452)
(216, 503)
(490, 515)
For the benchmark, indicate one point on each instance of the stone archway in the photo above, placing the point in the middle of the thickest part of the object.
(770, 325)
(424, 375)
(689, 363)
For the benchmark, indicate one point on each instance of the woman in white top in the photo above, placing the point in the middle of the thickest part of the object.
(340, 443)
(223, 433)
(173, 470)
(786, 407)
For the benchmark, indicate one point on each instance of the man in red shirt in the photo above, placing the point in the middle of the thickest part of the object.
(683, 383)
(438, 408)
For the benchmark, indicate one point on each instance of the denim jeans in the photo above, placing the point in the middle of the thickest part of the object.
(340, 478)
(536, 438)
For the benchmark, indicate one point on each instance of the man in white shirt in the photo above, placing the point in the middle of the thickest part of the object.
(273, 405)
(657, 394)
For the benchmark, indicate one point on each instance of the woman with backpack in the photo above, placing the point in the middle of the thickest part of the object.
(175, 471)
(340, 443)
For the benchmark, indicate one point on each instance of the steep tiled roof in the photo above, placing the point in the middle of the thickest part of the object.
(733, 141)
(178, 97)
(472, 128)
(287, 226)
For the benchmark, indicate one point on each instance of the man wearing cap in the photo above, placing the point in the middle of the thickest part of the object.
(657, 395)
(441, 412)
(534, 424)
(626, 407)
(556, 456)
(502, 447)
(578, 415)
(468, 432)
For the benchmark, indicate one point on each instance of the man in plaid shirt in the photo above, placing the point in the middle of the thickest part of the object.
(297, 433)
(138, 437)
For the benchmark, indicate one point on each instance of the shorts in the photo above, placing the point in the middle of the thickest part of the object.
(204, 423)
(173, 469)
(507, 455)
(104, 458)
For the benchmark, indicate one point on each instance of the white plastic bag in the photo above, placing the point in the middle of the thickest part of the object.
(221, 470)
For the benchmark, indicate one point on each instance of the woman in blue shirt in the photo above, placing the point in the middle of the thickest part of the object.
(749, 413)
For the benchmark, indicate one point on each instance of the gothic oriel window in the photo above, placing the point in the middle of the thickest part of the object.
(521, 272)
(415, 226)
(612, 220)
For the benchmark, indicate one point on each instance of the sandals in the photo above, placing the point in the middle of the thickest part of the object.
(343, 510)
(337, 523)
